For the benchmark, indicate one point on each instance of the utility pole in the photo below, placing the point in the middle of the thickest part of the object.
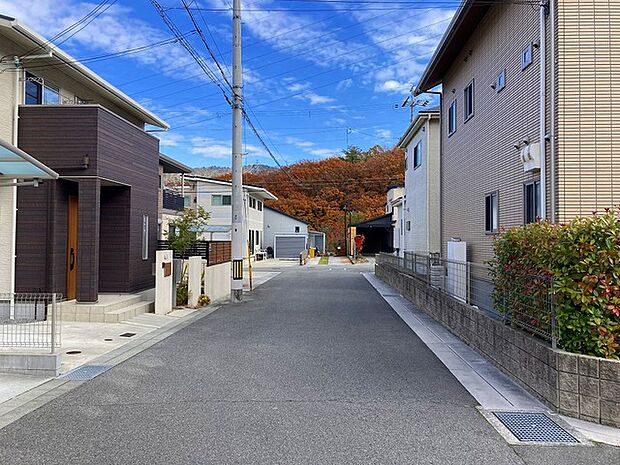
(237, 232)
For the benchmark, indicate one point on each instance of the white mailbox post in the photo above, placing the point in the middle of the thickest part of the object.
(163, 282)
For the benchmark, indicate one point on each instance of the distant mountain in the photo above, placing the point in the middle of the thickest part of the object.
(215, 171)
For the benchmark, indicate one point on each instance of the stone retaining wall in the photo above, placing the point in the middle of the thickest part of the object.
(574, 385)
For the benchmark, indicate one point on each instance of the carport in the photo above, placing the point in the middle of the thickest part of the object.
(378, 233)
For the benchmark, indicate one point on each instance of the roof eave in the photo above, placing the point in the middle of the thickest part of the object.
(72, 62)
(431, 77)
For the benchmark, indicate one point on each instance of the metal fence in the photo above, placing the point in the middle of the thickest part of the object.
(524, 300)
(30, 320)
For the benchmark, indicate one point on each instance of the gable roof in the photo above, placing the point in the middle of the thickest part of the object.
(463, 24)
(259, 192)
(286, 214)
(23, 35)
(415, 126)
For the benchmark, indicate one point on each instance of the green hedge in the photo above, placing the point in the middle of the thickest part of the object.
(583, 258)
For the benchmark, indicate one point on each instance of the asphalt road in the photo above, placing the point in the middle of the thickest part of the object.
(312, 368)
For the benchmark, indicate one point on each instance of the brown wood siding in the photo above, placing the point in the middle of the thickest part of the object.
(41, 237)
(128, 155)
(114, 227)
(480, 157)
(119, 152)
(588, 124)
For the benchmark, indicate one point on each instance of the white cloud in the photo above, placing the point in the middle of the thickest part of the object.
(324, 152)
(170, 139)
(393, 86)
(344, 84)
(302, 144)
(222, 150)
(384, 133)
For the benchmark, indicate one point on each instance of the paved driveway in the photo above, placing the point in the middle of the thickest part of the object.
(312, 368)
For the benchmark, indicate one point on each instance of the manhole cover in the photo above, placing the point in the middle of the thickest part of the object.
(128, 334)
(86, 372)
(534, 427)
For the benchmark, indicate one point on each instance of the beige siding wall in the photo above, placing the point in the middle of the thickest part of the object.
(8, 95)
(588, 95)
(480, 157)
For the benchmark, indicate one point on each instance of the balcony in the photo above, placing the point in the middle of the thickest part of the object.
(173, 201)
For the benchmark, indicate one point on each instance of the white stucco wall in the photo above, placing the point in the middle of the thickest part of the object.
(217, 281)
(277, 223)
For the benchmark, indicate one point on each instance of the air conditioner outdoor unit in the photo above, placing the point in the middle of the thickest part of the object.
(530, 157)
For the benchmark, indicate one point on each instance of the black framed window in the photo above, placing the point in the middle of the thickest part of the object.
(531, 202)
(452, 118)
(417, 155)
(33, 90)
(468, 101)
(491, 213)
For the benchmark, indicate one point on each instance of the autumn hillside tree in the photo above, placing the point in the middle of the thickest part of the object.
(317, 191)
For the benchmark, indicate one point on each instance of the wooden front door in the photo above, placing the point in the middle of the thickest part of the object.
(72, 236)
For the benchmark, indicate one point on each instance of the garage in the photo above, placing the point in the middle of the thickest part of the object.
(289, 246)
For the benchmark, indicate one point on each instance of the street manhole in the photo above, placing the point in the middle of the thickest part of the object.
(535, 427)
(86, 372)
(73, 352)
(128, 335)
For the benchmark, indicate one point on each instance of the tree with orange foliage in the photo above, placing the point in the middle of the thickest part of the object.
(317, 191)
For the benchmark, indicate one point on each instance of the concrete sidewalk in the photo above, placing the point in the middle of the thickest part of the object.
(314, 367)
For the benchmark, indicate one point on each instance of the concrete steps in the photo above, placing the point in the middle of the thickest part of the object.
(111, 308)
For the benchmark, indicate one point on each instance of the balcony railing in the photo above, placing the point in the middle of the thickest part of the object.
(173, 201)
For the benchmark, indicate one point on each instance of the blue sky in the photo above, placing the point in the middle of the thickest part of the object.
(313, 71)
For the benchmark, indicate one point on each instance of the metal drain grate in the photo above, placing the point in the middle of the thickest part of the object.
(534, 427)
(86, 372)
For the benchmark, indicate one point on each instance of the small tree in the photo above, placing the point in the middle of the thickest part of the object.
(186, 228)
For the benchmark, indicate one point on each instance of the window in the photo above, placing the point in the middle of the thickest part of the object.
(33, 90)
(417, 155)
(452, 118)
(51, 96)
(468, 101)
(218, 200)
(36, 93)
(187, 201)
(296, 229)
(500, 80)
(408, 223)
(406, 162)
(526, 56)
(252, 202)
(531, 202)
(260, 206)
(145, 237)
(491, 213)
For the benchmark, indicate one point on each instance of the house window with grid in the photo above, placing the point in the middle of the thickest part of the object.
(491, 213)
(531, 202)
(452, 118)
(417, 155)
(468, 101)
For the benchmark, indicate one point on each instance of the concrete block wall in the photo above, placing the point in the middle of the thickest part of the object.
(574, 385)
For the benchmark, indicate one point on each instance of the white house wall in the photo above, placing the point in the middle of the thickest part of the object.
(278, 224)
(422, 195)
